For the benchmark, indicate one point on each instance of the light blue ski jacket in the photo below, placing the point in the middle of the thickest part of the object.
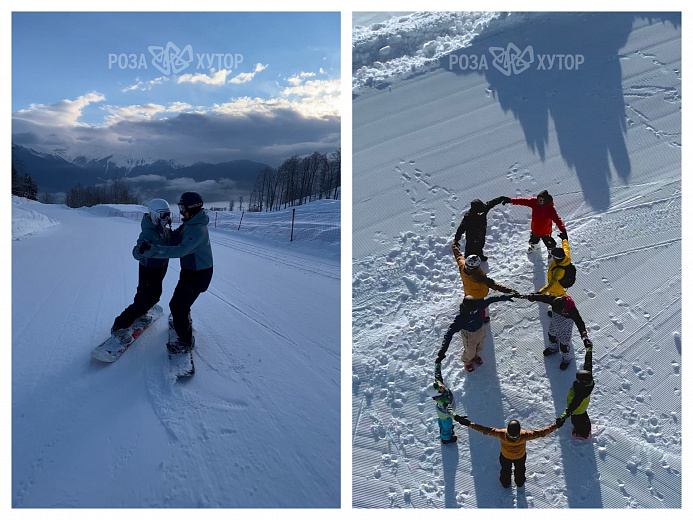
(192, 245)
(158, 236)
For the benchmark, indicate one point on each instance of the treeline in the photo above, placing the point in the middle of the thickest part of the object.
(116, 192)
(297, 181)
(23, 185)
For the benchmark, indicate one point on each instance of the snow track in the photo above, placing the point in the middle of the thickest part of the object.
(241, 433)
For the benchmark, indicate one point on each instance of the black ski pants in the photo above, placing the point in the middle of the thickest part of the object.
(190, 285)
(475, 246)
(506, 470)
(548, 240)
(581, 424)
(148, 294)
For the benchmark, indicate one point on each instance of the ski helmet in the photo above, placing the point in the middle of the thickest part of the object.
(191, 203)
(559, 304)
(477, 206)
(433, 390)
(513, 429)
(584, 376)
(548, 199)
(159, 211)
(468, 304)
(472, 261)
(558, 253)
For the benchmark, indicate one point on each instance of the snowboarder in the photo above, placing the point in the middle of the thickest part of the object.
(564, 314)
(579, 397)
(558, 268)
(474, 280)
(473, 225)
(445, 406)
(470, 323)
(513, 442)
(151, 270)
(190, 244)
(543, 213)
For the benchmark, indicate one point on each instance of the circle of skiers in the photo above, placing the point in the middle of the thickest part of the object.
(471, 324)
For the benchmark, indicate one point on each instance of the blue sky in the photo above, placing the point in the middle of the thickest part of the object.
(71, 93)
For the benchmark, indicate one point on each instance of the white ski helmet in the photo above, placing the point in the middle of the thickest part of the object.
(472, 261)
(159, 211)
(432, 390)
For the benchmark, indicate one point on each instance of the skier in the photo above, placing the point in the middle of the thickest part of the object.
(473, 225)
(192, 246)
(151, 271)
(513, 441)
(543, 212)
(474, 280)
(579, 397)
(445, 406)
(564, 314)
(557, 268)
(471, 324)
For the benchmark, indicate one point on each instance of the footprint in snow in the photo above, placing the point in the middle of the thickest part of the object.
(590, 294)
(607, 283)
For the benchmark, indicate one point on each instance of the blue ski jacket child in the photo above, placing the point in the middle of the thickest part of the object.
(157, 235)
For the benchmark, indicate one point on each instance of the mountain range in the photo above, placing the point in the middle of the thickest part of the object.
(55, 174)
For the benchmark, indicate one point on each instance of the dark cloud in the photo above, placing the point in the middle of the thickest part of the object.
(192, 137)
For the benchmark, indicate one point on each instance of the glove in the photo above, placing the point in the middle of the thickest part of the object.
(588, 343)
(560, 421)
(563, 235)
(505, 200)
(146, 245)
(462, 419)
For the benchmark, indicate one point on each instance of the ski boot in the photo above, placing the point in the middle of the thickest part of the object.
(478, 361)
(451, 440)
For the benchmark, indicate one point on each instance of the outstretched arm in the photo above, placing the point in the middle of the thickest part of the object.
(461, 229)
(454, 328)
(557, 220)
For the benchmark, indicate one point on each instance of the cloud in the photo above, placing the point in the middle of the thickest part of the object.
(145, 85)
(216, 78)
(244, 77)
(62, 113)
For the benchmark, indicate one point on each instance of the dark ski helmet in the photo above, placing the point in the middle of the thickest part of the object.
(558, 253)
(468, 304)
(548, 199)
(584, 376)
(559, 304)
(513, 429)
(191, 203)
(477, 206)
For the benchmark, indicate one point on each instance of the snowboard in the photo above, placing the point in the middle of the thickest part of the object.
(181, 365)
(111, 349)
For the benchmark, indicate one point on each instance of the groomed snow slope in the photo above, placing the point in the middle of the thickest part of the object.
(605, 141)
(253, 428)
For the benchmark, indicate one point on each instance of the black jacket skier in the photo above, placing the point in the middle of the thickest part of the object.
(579, 397)
(473, 225)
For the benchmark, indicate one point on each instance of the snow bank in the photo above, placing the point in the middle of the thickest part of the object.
(406, 43)
(26, 221)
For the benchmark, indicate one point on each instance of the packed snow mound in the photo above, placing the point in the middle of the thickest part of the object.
(406, 43)
(26, 221)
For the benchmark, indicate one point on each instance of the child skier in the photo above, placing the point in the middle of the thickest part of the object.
(445, 407)
(192, 246)
(564, 314)
(557, 268)
(543, 213)
(151, 271)
(471, 324)
(475, 282)
(579, 397)
(513, 441)
(473, 226)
